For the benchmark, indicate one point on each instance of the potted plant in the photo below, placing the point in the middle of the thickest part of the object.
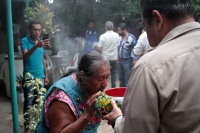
(42, 14)
(19, 80)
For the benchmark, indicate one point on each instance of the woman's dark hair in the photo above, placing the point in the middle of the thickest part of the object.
(172, 9)
(31, 24)
(122, 26)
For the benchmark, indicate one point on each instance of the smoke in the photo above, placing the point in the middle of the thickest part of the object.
(61, 40)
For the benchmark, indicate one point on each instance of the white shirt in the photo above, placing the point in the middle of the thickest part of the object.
(142, 46)
(109, 43)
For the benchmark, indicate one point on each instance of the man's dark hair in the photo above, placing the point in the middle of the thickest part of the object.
(31, 24)
(172, 9)
(122, 26)
(91, 21)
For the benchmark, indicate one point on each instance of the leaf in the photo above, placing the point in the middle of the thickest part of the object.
(40, 13)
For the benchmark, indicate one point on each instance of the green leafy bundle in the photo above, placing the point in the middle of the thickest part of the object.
(34, 110)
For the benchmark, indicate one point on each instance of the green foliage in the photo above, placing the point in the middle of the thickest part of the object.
(76, 13)
(29, 14)
(42, 14)
(35, 110)
(71, 13)
(196, 4)
(19, 78)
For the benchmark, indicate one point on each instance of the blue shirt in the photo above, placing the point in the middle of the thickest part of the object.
(125, 46)
(90, 38)
(34, 64)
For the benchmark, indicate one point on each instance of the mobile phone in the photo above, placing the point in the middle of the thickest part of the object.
(45, 36)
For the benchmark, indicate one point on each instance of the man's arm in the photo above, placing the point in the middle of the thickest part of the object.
(46, 79)
(140, 106)
(141, 102)
(100, 45)
(138, 51)
(140, 46)
(27, 53)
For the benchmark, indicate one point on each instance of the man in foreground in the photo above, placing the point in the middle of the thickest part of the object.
(163, 91)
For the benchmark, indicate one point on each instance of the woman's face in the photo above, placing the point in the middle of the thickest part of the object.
(100, 80)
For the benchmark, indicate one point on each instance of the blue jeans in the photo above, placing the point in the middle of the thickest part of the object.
(124, 67)
(113, 65)
(28, 101)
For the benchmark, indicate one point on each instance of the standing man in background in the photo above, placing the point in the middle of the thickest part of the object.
(107, 46)
(34, 63)
(90, 35)
(125, 47)
(142, 47)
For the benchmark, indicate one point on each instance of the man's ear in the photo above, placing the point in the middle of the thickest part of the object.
(105, 28)
(158, 18)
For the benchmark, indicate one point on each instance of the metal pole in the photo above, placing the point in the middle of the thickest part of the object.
(27, 3)
(12, 74)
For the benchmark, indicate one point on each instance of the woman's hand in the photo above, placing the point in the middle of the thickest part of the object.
(90, 111)
(114, 114)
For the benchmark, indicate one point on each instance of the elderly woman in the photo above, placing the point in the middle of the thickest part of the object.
(69, 103)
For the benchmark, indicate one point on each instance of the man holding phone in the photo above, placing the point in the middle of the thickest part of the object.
(34, 63)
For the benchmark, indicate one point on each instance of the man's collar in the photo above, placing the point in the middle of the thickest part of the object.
(126, 36)
(181, 29)
(29, 37)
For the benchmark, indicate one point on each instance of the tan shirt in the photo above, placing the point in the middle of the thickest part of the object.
(163, 93)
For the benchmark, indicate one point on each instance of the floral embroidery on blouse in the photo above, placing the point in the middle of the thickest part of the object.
(64, 97)
(61, 96)
(82, 108)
